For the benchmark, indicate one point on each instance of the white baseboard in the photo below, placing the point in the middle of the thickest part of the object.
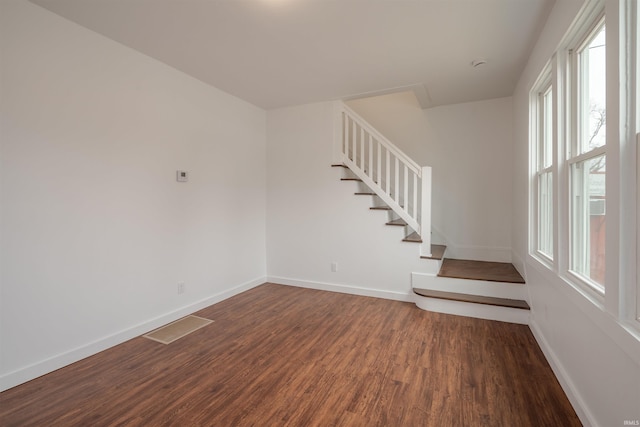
(344, 289)
(48, 365)
(586, 417)
(519, 264)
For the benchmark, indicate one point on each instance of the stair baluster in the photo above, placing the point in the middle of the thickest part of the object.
(400, 182)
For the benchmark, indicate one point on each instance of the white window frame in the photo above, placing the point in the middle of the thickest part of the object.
(631, 311)
(574, 153)
(620, 304)
(634, 310)
(543, 85)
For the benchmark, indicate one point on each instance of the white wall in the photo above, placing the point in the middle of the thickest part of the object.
(314, 219)
(595, 358)
(469, 147)
(95, 231)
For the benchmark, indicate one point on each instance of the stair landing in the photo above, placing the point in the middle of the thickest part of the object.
(480, 270)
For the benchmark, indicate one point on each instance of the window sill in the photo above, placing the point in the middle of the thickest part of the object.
(543, 259)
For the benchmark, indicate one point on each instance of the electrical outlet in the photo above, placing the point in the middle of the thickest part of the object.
(182, 176)
(181, 288)
(334, 267)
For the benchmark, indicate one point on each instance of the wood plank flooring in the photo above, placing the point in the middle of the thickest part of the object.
(286, 356)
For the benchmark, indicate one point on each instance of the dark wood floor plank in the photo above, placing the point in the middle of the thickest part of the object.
(279, 355)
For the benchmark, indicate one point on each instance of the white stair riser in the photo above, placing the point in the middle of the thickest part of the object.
(470, 287)
(431, 266)
(479, 311)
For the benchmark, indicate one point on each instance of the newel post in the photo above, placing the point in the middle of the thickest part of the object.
(425, 212)
(338, 133)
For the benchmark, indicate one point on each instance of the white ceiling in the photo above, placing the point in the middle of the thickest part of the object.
(275, 53)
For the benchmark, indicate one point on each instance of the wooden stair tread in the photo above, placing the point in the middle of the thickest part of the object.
(400, 222)
(380, 208)
(339, 166)
(437, 252)
(477, 299)
(353, 179)
(365, 194)
(480, 270)
(413, 238)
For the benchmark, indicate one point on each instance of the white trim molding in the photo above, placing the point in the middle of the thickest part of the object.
(344, 289)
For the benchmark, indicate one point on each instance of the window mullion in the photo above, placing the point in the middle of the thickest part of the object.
(562, 139)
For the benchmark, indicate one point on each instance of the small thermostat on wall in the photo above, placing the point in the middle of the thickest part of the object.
(182, 176)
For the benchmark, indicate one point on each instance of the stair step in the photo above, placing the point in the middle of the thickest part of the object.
(485, 288)
(365, 194)
(380, 208)
(480, 270)
(476, 299)
(340, 166)
(437, 252)
(413, 238)
(351, 179)
(400, 222)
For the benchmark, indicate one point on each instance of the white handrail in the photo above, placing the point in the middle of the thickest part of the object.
(399, 181)
(397, 152)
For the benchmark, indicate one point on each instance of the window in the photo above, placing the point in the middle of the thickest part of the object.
(637, 289)
(636, 168)
(584, 152)
(544, 230)
(587, 160)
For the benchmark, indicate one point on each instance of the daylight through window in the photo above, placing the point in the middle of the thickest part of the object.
(588, 161)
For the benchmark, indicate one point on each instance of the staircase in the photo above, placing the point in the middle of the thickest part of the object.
(398, 186)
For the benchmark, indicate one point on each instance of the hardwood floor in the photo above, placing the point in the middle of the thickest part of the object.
(285, 356)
